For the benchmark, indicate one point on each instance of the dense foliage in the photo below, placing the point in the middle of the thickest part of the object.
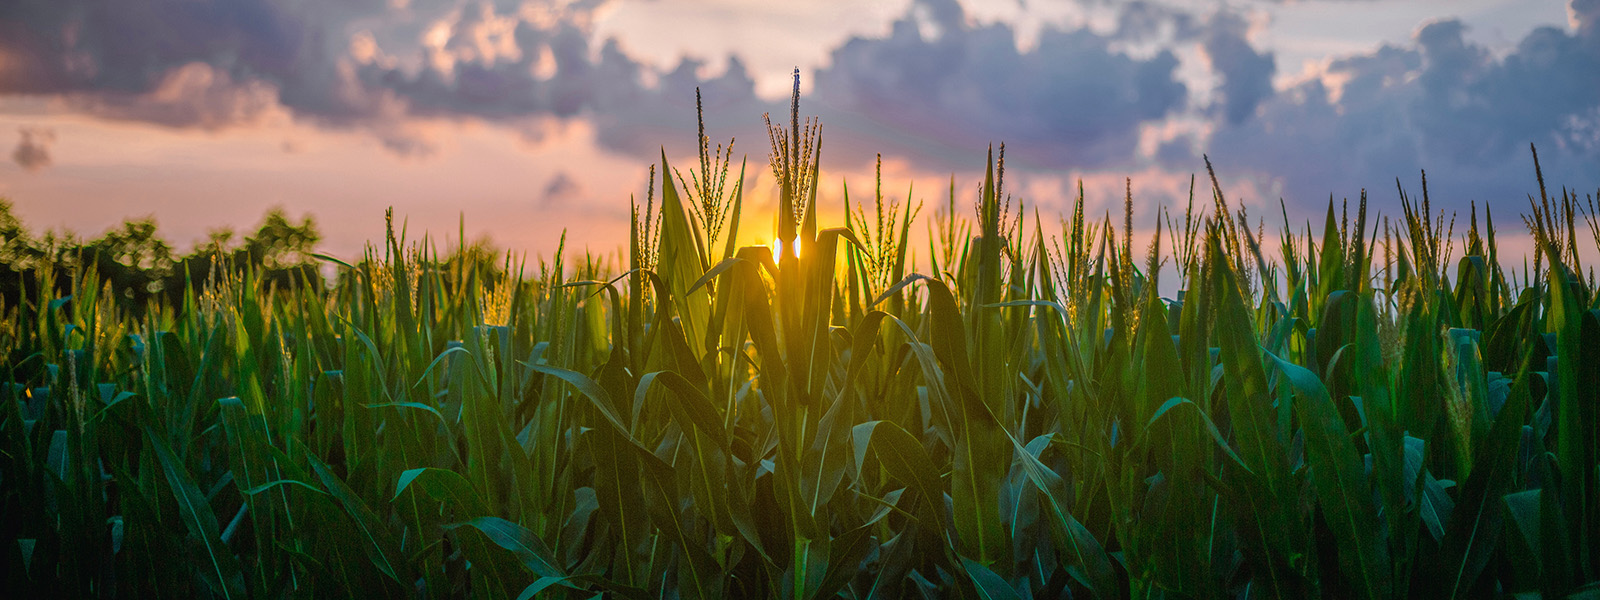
(141, 268)
(1376, 411)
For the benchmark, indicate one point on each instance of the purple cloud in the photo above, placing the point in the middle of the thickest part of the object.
(1440, 103)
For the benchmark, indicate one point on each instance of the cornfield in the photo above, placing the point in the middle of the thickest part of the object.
(1381, 410)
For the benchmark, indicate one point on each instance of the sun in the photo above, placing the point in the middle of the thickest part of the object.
(778, 245)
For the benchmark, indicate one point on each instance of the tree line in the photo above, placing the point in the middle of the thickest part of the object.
(141, 267)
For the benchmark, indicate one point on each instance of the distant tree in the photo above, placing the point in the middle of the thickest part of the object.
(280, 244)
(19, 253)
(279, 253)
(134, 260)
(16, 245)
(139, 265)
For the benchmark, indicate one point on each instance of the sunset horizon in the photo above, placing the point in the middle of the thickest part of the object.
(527, 119)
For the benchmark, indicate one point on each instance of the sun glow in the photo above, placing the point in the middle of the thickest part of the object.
(777, 249)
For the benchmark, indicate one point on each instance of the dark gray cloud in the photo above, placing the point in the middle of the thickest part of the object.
(1442, 104)
(180, 62)
(1246, 73)
(1587, 13)
(33, 148)
(665, 114)
(350, 63)
(60, 46)
(947, 83)
(1176, 151)
(118, 57)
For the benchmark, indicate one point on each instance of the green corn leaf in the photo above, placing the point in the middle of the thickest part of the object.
(682, 260)
(903, 457)
(375, 540)
(200, 521)
(990, 585)
(1249, 408)
(528, 548)
(1087, 554)
(1475, 523)
(445, 486)
(1340, 481)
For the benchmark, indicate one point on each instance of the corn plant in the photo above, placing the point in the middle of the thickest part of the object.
(1375, 410)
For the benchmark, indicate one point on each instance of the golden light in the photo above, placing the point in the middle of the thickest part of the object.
(777, 249)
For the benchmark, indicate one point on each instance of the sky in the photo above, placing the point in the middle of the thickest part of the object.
(521, 120)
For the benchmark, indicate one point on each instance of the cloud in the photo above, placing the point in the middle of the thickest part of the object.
(938, 84)
(1176, 151)
(361, 64)
(1585, 16)
(1246, 73)
(1439, 103)
(130, 47)
(1141, 20)
(936, 88)
(949, 85)
(562, 189)
(194, 95)
(640, 122)
(33, 149)
(178, 62)
(407, 142)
